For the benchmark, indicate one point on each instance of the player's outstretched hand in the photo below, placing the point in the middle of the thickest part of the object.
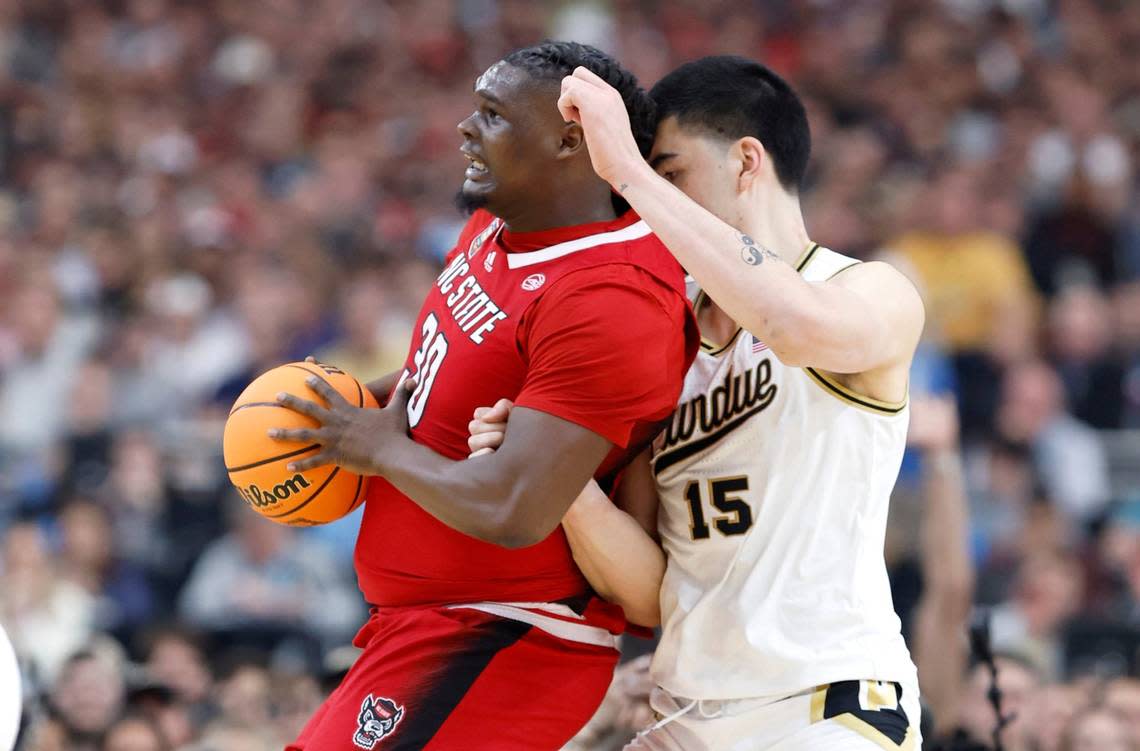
(933, 423)
(351, 437)
(489, 427)
(598, 107)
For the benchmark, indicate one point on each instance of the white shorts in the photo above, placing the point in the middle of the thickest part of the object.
(846, 716)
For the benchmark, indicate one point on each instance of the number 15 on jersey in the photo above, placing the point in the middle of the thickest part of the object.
(736, 514)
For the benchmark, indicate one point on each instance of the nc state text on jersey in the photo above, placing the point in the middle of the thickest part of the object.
(472, 308)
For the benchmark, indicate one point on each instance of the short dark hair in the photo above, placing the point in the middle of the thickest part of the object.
(734, 97)
(554, 60)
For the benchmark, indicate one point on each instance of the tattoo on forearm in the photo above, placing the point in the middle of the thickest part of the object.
(754, 254)
(621, 189)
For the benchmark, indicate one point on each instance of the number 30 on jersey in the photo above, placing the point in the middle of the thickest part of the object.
(428, 359)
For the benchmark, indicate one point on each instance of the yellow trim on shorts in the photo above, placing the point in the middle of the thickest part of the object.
(878, 698)
(818, 700)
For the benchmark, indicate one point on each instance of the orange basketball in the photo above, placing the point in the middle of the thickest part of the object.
(257, 464)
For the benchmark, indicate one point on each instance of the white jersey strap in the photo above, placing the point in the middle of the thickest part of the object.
(582, 633)
(820, 264)
(634, 231)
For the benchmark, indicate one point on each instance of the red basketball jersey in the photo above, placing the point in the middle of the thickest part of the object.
(589, 323)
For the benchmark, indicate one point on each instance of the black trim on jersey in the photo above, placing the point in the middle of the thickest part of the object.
(851, 396)
(669, 458)
(807, 258)
(710, 348)
(444, 690)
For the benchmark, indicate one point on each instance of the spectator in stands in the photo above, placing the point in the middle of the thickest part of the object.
(1067, 453)
(89, 559)
(175, 657)
(1051, 710)
(134, 733)
(244, 697)
(1080, 333)
(197, 346)
(976, 718)
(1095, 729)
(87, 697)
(1126, 310)
(367, 347)
(1046, 594)
(46, 616)
(262, 574)
(1122, 698)
(1000, 510)
(136, 496)
(89, 429)
(972, 277)
(50, 345)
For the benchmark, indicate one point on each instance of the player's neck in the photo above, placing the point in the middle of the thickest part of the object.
(559, 213)
(715, 325)
(776, 222)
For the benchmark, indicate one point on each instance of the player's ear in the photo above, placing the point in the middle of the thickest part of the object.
(753, 160)
(573, 140)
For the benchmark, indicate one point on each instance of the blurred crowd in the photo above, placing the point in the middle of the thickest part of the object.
(193, 191)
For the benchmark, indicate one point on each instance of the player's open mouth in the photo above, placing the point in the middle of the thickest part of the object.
(476, 169)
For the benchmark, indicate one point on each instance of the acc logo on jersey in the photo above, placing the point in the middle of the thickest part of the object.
(489, 261)
(533, 282)
(379, 716)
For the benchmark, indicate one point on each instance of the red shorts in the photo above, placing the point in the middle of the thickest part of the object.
(461, 679)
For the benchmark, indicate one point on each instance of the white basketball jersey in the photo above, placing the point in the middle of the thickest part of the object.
(774, 485)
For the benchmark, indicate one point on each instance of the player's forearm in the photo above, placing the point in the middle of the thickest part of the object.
(622, 563)
(757, 289)
(940, 650)
(484, 497)
(947, 569)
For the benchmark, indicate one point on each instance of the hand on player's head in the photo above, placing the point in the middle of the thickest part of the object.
(590, 101)
(489, 427)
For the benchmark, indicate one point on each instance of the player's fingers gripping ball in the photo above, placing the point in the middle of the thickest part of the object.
(258, 464)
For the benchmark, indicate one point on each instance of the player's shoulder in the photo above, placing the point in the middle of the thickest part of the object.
(647, 254)
(885, 285)
(875, 276)
(480, 222)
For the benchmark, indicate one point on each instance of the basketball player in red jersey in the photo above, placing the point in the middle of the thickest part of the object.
(484, 634)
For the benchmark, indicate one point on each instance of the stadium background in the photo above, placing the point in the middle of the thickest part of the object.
(193, 191)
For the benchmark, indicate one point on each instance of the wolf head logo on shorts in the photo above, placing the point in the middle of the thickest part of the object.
(378, 718)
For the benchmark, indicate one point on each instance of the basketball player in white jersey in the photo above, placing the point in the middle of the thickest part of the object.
(774, 477)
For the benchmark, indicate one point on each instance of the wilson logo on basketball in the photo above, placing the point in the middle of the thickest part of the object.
(262, 497)
(533, 282)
